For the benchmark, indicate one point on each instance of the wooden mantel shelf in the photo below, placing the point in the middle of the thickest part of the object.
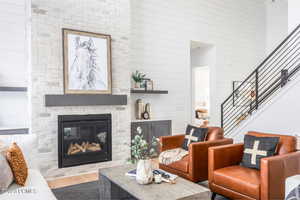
(84, 100)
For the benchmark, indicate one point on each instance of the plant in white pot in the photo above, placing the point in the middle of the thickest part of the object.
(141, 153)
(137, 77)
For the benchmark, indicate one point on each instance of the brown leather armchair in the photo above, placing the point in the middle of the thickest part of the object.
(193, 166)
(228, 178)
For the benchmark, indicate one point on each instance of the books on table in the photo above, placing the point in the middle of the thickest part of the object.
(131, 173)
(166, 176)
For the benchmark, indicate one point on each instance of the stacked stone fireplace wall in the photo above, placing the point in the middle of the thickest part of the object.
(48, 19)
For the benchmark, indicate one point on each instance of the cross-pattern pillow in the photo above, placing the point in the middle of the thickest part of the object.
(256, 148)
(193, 134)
(294, 194)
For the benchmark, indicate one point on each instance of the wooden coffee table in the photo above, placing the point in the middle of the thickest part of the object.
(115, 185)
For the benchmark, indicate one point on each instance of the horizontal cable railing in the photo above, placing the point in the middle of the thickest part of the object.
(272, 74)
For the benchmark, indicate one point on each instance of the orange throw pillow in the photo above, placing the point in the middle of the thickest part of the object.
(17, 164)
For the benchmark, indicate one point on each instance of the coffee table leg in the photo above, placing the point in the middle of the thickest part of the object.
(104, 188)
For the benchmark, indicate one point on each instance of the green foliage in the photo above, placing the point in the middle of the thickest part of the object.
(141, 150)
(138, 76)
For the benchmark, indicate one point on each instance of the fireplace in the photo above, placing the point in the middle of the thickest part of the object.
(83, 139)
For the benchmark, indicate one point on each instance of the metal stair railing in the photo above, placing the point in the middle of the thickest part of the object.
(272, 74)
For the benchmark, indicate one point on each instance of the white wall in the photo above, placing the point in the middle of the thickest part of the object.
(203, 55)
(280, 115)
(14, 56)
(293, 14)
(200, 76)
(276, 23)
(160, 46)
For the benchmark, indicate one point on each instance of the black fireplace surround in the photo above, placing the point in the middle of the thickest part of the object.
(83, 139)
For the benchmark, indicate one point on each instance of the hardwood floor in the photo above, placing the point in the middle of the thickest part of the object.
(72, 180)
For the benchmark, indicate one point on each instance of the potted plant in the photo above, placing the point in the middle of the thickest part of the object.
(137, 77)
(141, 153)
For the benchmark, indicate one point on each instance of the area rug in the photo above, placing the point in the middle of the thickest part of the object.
(85, 191)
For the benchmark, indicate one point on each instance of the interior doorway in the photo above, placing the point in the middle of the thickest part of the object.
(201, 62)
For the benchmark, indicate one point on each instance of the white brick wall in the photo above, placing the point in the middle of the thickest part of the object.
(48, 19)
(161, 34)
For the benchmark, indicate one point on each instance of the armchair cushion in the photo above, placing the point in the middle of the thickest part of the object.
(241, 179)
(181, 165)
(256, 148)
(194, 134)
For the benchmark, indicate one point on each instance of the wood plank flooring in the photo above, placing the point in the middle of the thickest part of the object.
(72, 180)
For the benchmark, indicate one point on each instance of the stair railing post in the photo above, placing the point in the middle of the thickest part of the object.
(256, 88)
(284, 77)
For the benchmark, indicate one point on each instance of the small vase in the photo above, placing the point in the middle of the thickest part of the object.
(144, 174)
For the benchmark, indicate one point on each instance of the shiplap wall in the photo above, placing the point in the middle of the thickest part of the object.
(293, 14)
(276, 23)
(161, 34)
(14, 59)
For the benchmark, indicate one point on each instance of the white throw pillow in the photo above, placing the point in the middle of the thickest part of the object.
(3, 148)
(6, 176)
(28, 144)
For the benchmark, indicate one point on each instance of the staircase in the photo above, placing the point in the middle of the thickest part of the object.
(261, 85)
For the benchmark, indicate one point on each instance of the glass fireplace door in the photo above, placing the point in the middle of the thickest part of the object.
(86, 142)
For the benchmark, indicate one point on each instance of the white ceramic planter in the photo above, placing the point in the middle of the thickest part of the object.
(144, 174)
(137, 85)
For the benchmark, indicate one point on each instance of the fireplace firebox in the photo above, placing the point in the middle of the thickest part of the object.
(83, 139)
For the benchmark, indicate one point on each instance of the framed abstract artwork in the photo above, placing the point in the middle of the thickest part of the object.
(87, 62)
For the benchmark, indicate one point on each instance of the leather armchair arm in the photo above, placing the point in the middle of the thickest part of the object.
(198, 156)
(223, 156)
(274, 171)
(171, 142)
